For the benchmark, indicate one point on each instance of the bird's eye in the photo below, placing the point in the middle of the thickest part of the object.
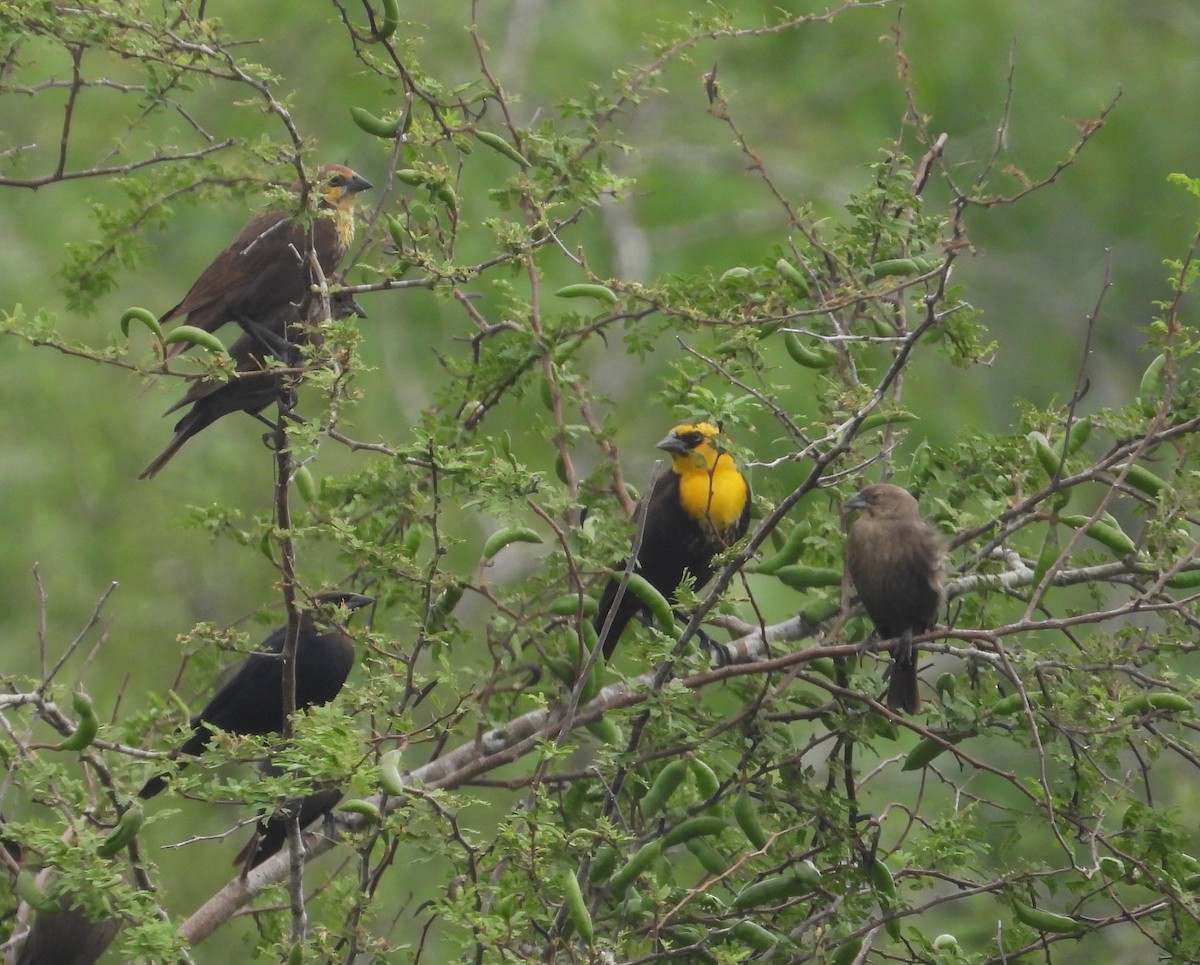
(338, 181)
(692, 439)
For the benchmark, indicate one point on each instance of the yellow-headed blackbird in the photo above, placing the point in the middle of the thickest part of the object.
(251, 701)
(895, 560)
(256, 386)
(267, 265)
(692, 512)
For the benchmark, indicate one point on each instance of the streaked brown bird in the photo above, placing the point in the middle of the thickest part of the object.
(695, 510)
(251, 701)
(256, 385)
(267, 264)
(895, 560)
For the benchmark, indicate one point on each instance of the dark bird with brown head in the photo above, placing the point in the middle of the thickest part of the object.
(694, 510)
(895, 560)
(256, 385)
(267, 265)
(251, 701)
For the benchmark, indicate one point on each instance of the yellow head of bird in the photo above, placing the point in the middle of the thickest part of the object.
(338, 185)
(691, 448)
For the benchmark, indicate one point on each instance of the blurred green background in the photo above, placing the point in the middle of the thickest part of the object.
(817, 104)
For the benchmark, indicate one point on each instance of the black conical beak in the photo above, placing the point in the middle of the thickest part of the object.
(674, 445)
(358, 183)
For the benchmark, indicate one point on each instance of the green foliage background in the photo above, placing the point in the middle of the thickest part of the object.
(818, 105)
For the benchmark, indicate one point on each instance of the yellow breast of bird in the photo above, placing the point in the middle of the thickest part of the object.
(717, 498)
(344, 221)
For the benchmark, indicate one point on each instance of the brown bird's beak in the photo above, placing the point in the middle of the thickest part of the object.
(674, 445)
(856, 502)
(357, 183)
(355, 309)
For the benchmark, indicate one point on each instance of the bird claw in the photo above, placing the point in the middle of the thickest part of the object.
(870, 646)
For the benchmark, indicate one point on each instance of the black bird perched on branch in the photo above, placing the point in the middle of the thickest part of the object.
(270, 836)
(267, 264)
(256, 385)
(251, 701)
(895, 560)
(66, 937)
(694, 511)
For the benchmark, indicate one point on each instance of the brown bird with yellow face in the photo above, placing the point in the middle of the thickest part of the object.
(256, 385)
(267, 265)
(895, 560)
(695, 510)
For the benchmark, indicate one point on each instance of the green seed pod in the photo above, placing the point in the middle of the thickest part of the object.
(734, 276)
(1081, 431)
(800, 577)
(924, 753)
(788, 553)
(358, 806)
(411, 177)
(306, 486)
(577, 909)
(1150, 389)
(568, 605)
(1186, 580)
(511, 534)
(705, 779)
(196, 336)
(1045, 920)
(396, 231)
(641, 859)
(1044, 452)
(445, 606)
(702, 826)
(1141, 478)
(29, 891)
(820, 610)
(1108, 534)
(606, 731)
(847, 952)
(665, 784)
(599, 292)
(792, 274)
(497, 143)
(390, 778)
(368, 122)
(753, 934)
(746, 814)
(85, 730)
(890, 268)
(147, 318)
(878, 419)
(655, 602)
(711, 860)
(801, 354)
(411, 542)
(602, 864)
(798, 880)
(389, 21)
(126, 830)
